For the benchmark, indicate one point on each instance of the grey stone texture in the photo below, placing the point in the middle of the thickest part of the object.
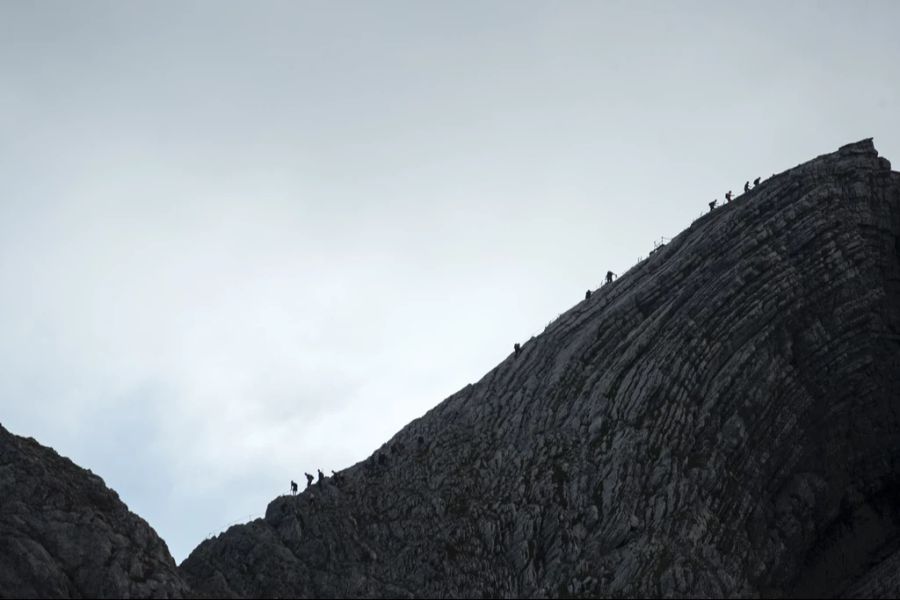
(721, 420)
(64, 534)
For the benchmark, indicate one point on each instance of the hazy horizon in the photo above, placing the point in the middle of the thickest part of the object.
(243, 241)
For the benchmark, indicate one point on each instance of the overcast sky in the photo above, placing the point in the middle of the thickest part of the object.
(240, 241)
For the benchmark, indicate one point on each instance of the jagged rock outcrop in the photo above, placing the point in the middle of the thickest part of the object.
(722, 420)
(64, 534)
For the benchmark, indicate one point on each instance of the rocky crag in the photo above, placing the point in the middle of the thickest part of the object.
(64, 534)
(722, 420)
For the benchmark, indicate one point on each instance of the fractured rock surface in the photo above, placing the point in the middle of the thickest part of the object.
(64, 534)
(722, 420)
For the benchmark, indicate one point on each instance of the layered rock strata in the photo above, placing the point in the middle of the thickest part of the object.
(722, 420)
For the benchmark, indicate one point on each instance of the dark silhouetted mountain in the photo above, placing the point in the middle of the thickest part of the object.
(722, 420)
(64, 534)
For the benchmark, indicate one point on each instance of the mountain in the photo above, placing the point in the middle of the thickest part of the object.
(64, 534)
(722, 420)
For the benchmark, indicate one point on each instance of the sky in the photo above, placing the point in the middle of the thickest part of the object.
(244, 240)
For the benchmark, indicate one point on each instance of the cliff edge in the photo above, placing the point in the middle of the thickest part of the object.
(722, 420)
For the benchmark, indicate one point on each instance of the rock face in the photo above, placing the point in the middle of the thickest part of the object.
(722, 420)
(64, 534)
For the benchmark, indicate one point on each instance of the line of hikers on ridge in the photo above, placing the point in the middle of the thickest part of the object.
(396, 448)
(309, 480)
(610, 275)
(728, 196)
(517, 347)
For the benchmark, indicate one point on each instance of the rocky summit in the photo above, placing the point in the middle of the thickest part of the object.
(722, 420)
(64, 534)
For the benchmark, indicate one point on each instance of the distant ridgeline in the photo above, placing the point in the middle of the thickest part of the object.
(721, 420)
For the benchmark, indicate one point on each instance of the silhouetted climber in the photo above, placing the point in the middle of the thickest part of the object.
(746, 186)
(728, 196)
(712, 205)
(421, 441)
(381, 458)
(321, 477)
(587, 294)
(293, 487)
(609, 276)
(756, 182)
(517, 348)
(309, 480)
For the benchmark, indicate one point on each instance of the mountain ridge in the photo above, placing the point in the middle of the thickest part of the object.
(721, 420)
(656, 393)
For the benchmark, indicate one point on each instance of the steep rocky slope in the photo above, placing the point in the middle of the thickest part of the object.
(720, 421)
(64, 534)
